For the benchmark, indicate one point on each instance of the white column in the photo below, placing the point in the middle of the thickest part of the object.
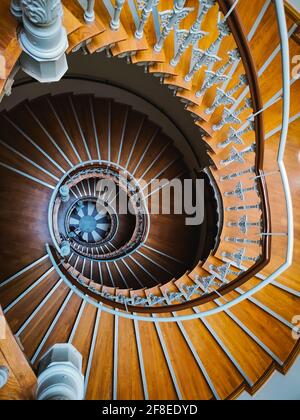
(43, 40)
(60, 374)
(115, 23)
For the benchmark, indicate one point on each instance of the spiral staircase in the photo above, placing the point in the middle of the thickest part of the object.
(157, 308)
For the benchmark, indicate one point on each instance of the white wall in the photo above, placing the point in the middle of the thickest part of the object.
(279, 387)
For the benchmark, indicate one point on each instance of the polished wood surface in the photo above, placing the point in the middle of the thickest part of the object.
(22, 380)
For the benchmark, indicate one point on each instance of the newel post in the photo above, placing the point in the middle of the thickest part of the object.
(43, 40)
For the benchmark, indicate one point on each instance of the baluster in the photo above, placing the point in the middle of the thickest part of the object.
(248, 207)
(183, 40)
(142, 301)
(242, 241)
(187, 38)
(115, 22)
(243, 224)
(200, 59)
(230, 117)
(222, 271)
(170, 18)
(213, 78)
(89, 14)
(239, 256)
(146, 6)
(189, 291)
(64, 192)
(235, 136)
(204, 58)
(156, 300)
(206, 283)
(240, 192)
(236, 156)
(173, 296)
(238, 174)
(226, 98)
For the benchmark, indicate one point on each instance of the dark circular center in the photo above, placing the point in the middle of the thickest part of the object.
(89, 222)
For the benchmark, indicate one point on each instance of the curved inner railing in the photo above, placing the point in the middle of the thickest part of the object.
(112, 178)
(121, 175)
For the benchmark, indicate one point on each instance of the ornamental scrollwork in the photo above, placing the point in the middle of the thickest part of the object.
(42, 12)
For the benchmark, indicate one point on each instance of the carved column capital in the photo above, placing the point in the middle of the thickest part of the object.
(43, 39)
(42, 12)
(16, 9)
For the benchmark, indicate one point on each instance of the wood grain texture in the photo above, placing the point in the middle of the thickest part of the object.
(22, 381)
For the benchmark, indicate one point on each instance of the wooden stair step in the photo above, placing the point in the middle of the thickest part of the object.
(64, 326)
(14, 288)
(131, 45)
(100, 384)
(108, 36)
(31, 338)
(21, 310)
(85, 31)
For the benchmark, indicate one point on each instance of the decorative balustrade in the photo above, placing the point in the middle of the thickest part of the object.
(240, 192)
(235, 136)
(215, 77)
(239, 257)
(222, 271)
(185, 38)
(243, 224)
(230, 117)
(169, 19)
(238, 174)
(146, 6)
(16, 9)
(226, 98)
(135, 303)
(236, 156)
